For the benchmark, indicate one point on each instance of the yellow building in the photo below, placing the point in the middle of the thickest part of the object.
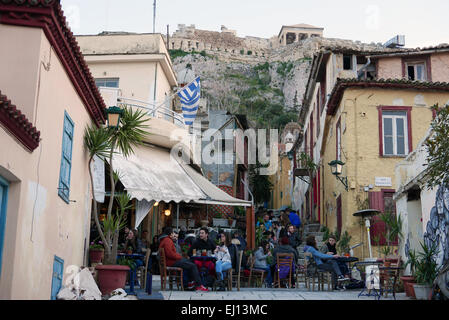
(370, 131)
(351, 114)
(281, 193)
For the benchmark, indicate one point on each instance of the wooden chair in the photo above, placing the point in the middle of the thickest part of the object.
(300, 275)
(389, 278)
(234, 275)
(254, 273)
(173, 273)
(283, 260)
(310, 274)
(143, 271)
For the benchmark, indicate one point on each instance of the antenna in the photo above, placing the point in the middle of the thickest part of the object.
(154, 16)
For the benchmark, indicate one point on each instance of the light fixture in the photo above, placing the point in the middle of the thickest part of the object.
(337, 168)
(167, 212)
(156, 203)
(113, 116)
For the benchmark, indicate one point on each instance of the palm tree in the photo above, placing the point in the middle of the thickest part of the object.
(103, 142)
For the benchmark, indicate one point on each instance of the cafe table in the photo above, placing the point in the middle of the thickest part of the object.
(376, 292)
(132, 272)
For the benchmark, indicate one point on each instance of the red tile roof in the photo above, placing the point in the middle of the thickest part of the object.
(48, 15)
(17, 124)
(342, 84)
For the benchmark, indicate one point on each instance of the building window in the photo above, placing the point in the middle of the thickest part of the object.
(66, 159)
(416, 71)
(394, 133)
(347, 62)
(107, 82)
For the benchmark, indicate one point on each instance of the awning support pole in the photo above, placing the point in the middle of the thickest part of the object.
(177, 217)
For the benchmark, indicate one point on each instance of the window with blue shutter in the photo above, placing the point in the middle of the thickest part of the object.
(56, 281)
(66, 158)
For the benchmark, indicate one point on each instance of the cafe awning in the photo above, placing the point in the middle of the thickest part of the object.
(151, 174)
(214, 195)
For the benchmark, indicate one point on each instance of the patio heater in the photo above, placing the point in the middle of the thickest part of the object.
(366, 215)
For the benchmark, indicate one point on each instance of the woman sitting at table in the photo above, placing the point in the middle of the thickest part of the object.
(261, 256)
(325, 262)
(223, 256)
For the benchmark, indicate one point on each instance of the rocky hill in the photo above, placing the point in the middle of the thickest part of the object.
(269, 89)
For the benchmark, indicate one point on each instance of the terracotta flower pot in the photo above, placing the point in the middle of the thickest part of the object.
(411, 289)
(96, 255)
(406, 280)
(111, 277)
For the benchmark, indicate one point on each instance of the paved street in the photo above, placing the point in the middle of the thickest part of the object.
(266, 294)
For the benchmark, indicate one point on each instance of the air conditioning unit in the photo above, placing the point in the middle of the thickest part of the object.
(397, 41)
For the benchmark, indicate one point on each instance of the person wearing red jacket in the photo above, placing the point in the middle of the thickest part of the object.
(174, 259)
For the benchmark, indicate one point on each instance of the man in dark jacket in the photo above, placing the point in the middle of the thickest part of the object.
(293, 236)
(204, 243)
(174, 259)
(285, 247)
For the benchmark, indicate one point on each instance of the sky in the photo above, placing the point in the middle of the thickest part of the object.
(424, 23)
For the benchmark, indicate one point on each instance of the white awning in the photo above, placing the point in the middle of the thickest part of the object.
(214, 195)
(151, 174)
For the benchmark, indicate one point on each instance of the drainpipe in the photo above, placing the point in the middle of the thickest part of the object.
(359, 73)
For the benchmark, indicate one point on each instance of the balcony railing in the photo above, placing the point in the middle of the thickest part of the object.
(154, 110)
(112, 97)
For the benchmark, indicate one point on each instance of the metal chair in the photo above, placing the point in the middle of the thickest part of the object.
(310, 271)
(173, 273)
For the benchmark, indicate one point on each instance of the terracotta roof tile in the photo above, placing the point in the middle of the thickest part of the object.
(17, 124)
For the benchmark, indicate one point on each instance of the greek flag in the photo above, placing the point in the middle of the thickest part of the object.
(190, 98)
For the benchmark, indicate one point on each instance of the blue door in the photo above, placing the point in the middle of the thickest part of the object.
(56, 282)
(3, 202)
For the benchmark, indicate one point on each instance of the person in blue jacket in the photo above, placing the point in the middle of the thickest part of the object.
(324, 261)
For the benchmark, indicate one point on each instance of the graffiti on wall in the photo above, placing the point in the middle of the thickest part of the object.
(437, 229)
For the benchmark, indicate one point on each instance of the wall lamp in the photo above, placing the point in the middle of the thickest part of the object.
(337, 168)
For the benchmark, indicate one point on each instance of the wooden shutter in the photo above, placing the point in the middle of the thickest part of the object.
(66, 158)
(376, 201)
(58, 271)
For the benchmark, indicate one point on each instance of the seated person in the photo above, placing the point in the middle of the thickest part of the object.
(266, 222)
(142, 243)
(324, 261)
(285, 247)
(269, 235)
(190, 237)
(242, 242)
(330, 247)
(261, 255)
(224, 261)
(203, 243)
(293, 236)
(174, 259)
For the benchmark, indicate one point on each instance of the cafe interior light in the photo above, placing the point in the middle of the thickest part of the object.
(113, 116)
(167, 212)
(156, 203)
(337, 169)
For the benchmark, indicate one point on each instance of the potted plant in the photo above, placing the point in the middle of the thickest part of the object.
(409, 280)
(386, 250)
(426, 272)
(96, 252)
(343, 243)
(103, 142)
